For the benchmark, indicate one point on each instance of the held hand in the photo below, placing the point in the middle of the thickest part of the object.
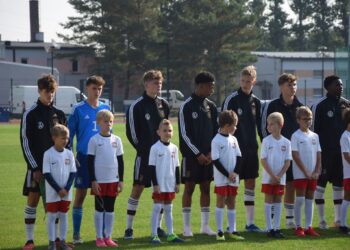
(202, 159)
(177, 188)
(308, 175)
(120, 187)
(315, 175)
(62, 193)
(276, 179)
(95, 188)
(209, 160)
(156, 189)
(37, 175)
(232, 177)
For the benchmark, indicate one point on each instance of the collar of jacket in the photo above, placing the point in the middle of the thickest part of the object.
(295, 102)
(148, 98)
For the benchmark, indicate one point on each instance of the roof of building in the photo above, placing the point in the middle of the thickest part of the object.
(294, 54)
(36, 45)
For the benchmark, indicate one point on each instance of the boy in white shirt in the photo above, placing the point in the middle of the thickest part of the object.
(275, 157)
(225, 153)
(59, 172)
(106, 170)
(165, 175)
(345, 149)
(306, 152)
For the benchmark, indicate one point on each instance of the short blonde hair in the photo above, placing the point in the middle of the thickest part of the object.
(152, 75)
(164, 122)
(59, 130)
(303, 111)
(249, 71)
(104, 114)
(276, 117)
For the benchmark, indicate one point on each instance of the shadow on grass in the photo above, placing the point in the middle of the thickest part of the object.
(209, 241)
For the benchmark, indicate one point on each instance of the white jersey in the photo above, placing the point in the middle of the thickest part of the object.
(345, 148)
(165, 158)
(59, 165)
(275, 152)
(225, 149)
(307, 145)
(106, 149)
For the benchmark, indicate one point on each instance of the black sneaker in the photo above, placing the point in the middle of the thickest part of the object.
(129, 234)
(271, 233)
(161, 233)
(278, 234)
(344, 229)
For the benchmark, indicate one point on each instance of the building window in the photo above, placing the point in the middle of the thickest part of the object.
(74, 65)
(24, 60)
(317, 74)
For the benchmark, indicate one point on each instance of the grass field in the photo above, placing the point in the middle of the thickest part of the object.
(12, 233)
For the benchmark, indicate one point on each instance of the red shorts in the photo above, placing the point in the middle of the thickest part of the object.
(272, 189)
(346, 184)
(226, 190)
(58, 206)
(305, 184)
(163, 196)
(108, 189)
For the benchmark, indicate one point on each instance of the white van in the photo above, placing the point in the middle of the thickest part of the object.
(23, 97)
(176, 98)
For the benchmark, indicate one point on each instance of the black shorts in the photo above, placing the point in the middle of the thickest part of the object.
(249, 166)
(289, 173)
(30, 186)
(192, 171)
(331, 169)
(141, 171)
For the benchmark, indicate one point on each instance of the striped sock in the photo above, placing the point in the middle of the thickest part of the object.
(29, 220)
(131, 211)
(249, 197)
(186, 215)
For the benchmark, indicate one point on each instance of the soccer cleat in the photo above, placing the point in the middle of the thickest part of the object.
(290, 225)
(100, 242)
(336, 224)
(129, 234)
(278, 234)
(310, 231)
(323, 225)
(220, 236)
(77, 239)
(207, 230)
(161, 233)
(253, 228)
(271, 233)
(344, 230)
(52, 245)
(29, 245)
(235, 236)
(174, 238)
(299, 232)
(64, 245)
(187, 232)
(155, 240)
(109, 242)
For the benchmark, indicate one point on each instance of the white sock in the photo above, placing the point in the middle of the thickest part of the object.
(160, 217)
(267, 210)
(29, 213)
(309, 212)
(98, 218)
(219, 217)
(338, 195)
(154, 220)
(249, 197)
(299, 202)
(63, 220)
(131, 211)
(289, 207)
(109, 222)
(50, 225)
(168, 214)
(319, 200)
(205, 216)
(344, 210)
(186, 217)
(231, 218)
(277, 217)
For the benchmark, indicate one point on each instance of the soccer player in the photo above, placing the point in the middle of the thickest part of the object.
(225, 153)
(106, 171)
(345, 149)
(328, 124)
(82, 124)
(165, 174)
(59, 172)
(197, 127)
(142, 122)
(287, 105)
(247, 106)
(35, 140)
(275, 157)
(306, 152)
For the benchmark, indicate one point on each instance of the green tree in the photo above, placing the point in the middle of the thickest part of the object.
(341, 9)
(257, 9)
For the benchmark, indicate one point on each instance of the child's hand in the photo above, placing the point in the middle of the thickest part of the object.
(177, 188)
(308, 175)
(62, 193)
(276, 179)
(95, 188)
(120, 186)
(156, 189)
(315, 175)
(232, 177)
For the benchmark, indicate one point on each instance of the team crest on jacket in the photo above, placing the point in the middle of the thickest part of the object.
(283, 148)
(67, 161)
(147, 116)
(330, 113)
(40, 125)
(114, 144)
(239, 111)
(194, 115)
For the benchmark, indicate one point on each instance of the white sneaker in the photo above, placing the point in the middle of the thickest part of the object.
(207, 230)
(187, 232)
(290, 225)
(323, 225)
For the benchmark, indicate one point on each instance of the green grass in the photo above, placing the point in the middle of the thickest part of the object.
(12, 232)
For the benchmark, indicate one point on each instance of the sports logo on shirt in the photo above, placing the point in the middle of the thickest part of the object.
(283, 148)
(194, 115)
(313, 141)
(40, 125)
(114, 144)
(67, 161)
(147, 116)
(239, 111)
(160, 155)
(173, 154)
(330, 113)
(234, 145)
(87, 117)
